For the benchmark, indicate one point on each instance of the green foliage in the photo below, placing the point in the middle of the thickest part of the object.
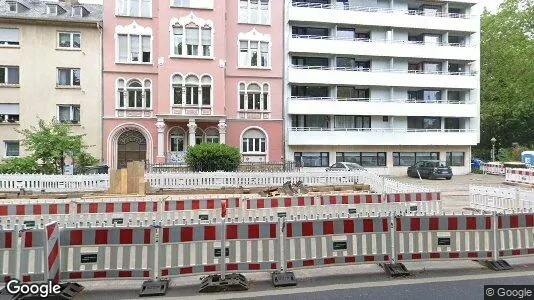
(512, 154)
(50, 143)
(213, 157)
(507, 76)
(19, 165)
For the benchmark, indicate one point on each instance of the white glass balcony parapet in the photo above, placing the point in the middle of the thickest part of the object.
(332, 68)
(384, 41)
(381, 100)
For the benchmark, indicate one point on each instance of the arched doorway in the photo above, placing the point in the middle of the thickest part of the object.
(131, 146)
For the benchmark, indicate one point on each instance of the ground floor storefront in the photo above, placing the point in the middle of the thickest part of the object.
(393, 160)
(164, 140)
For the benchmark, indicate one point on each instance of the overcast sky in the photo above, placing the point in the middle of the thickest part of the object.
(490, 4)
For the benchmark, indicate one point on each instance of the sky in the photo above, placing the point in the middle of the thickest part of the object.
(492, 5)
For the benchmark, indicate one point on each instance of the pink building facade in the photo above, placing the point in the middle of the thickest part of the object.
(178, 73)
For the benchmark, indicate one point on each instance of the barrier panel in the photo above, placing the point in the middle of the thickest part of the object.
(515, 235)
(522, 176)
(8, 254)
(46, 207)
(443, 237)
(494, 169)
(500, 199)
(321, 243)
(31, 255)
(53, 183)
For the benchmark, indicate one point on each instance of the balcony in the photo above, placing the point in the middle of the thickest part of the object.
(305, 136)
(381, 107)
(382, 77)
(382, 48)
(374, 16)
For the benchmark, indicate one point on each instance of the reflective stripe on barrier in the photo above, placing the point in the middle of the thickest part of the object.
(413, 197)
(118, 253)
(277, 202)
(199, 204)
(34, 209)
(515, 235)
(443, 237)
(52, 252)
(336, 242)
(8, 257)
(351, 199)
(116, 207)
(32, 255)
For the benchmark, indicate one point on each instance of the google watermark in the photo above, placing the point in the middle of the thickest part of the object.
(508, 292)
(42, 290)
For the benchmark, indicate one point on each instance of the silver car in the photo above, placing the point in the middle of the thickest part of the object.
(345, 166)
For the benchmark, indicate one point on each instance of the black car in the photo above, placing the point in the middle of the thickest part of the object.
(431, 169)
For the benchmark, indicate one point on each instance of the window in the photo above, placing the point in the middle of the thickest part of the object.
(69, 40)
(78, 11)
(314, 122)
(309, 91)
(424, 95)
(350, 63)
(253, 97)
(352, 122)
(254, 11)
(424, 123)
(68, 77)
(12, 148)
(452, 123)
(134, 94)
(406, 159)
(134, 48)
(212, 136)
(9, 113)
(9, 75)
(253, 142)
(310, 31)
(312, 159)
(51, 9)
(310, 61)
(68, 114)
(205, 4)
(456, 159)
(9, 37)
(16, 7)
(192, 91)
(134, 8)
(192, 40)
(364, 159)
(352, 93)
(254, 54)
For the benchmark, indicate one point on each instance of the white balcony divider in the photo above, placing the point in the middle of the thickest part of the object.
(53, 183)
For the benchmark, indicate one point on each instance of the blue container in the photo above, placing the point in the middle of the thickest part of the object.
(527, 157)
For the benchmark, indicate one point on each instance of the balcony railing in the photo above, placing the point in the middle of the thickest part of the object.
(380, 100)
(382, 10)
(384, 41)
(304, 129)
(330, 68)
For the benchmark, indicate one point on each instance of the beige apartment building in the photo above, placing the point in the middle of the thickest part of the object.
(50, 67)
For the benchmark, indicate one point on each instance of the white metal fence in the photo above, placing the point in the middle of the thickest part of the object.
(500, 199)
(53, 183)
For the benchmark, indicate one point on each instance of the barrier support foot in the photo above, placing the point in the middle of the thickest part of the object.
(496, 265)
(395, 269)
(232, 282)
(154, 288)
(281, 279)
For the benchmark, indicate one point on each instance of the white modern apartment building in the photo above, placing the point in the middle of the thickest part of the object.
(383, 83)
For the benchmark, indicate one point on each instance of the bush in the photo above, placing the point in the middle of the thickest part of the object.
(20, 165)
(213, 157)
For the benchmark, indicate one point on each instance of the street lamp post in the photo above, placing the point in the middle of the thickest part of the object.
(493, 141)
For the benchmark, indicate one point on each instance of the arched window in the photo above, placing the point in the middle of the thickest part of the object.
(134, 94)
(199, 136)
(253, 97)
(193, 38)
(253, 142)
(212, 136)
(177, 140)
(191, 91)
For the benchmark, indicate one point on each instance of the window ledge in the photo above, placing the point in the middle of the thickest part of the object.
(9, 123)
(67, 87)
(71, 124)
(191, 57)
(134, 108)
(254, 111)
(9, 157)
(68, 49)
(250, 23)
(254, 68)
(127, 16)
(7, 85)
(135, 63)
(191, 106)
(10, 46)
(189, 7)
(254, 153)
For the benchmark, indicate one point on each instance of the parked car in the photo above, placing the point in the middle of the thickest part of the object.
(345, 166)
(431, 169)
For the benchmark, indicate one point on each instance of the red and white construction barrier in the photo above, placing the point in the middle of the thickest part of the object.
(520, 176)
(52, 252)
(494, 168)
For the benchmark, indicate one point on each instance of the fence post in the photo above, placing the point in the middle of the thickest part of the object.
(517, 199)
(222, 262)
(393, 257)
(495, 255)
(281, 235)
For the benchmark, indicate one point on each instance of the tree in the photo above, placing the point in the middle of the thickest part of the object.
(51, 143)
(507, 76)
(213, 157)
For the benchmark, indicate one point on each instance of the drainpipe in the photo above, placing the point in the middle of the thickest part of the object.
(285, 80)
(101, 29)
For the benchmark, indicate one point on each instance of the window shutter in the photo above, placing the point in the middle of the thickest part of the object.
(206, 36)
(191, 36)
(9, 35)
(123, 48)
(146, 44)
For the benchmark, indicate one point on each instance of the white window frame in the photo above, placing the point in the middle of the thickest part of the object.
(4, 116)
(129, 9)
(80, 14)
(49, 7)
(202, 25)
(71, 113)
(5, 43)
(194, 4)
(5, 149)
(184, 86)
(129, 49)
(146, 86)
(255, 142)
(250, 53)
(17, 6)
(246, 13)
(265, 89)
(71, 41)
(71, 83)
(6, 75)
